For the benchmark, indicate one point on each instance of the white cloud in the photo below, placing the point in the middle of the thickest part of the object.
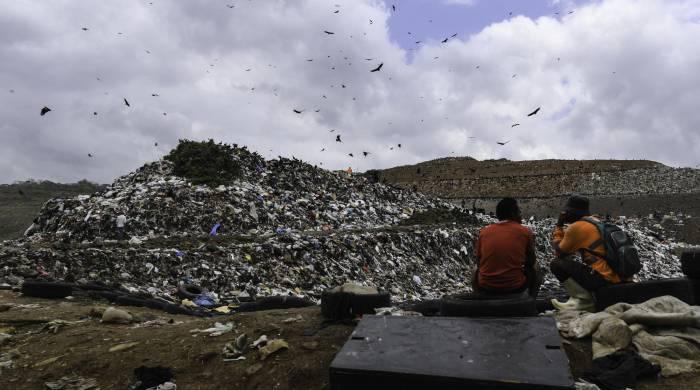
(626, 85)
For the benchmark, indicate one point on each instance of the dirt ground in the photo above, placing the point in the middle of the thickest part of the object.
(82, 349)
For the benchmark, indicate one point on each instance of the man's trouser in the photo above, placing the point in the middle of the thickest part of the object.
(584, 275)
(534, 278)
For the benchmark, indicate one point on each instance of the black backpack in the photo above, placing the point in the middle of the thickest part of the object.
(621, 254)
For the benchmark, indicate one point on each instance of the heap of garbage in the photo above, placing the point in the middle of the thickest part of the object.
(273, 195)
(285, 227)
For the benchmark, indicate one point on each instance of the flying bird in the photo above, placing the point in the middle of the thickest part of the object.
(399, 145)
(156, 144)
(350, 154)
(445, 40)
(534, 112)
(453, 35)
(328, 32)
(45, 110)
(331, 130)
(393, 7)
(230, 5)
(378, 68)
(154, 94)
(337, 138)
(503, 143)
(127, 103)
(365, 153)
(89, 155)
(515, 124)
(298, 111)
(336, 11)
(323, 150)
(319, 110)
(94, 113)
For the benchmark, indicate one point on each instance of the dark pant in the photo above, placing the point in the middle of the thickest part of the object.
(533, 282)
(584, 275)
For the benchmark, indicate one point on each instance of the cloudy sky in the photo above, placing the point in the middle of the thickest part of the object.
(613, 78)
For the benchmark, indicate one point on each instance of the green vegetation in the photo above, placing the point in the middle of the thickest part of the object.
(20, 202)
(205, 162)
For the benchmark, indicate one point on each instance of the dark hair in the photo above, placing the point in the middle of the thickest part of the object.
(507, 208)
(576, 208)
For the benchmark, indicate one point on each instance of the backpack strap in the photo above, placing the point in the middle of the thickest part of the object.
(597, 243)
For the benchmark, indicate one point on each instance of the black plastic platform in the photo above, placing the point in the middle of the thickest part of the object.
(387, 352)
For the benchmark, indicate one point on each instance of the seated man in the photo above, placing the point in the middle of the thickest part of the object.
(579, 278)
(505, 253)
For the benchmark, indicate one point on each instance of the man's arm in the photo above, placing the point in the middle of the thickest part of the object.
(531, 254)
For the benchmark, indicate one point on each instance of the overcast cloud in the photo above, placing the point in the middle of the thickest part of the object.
(615, 79)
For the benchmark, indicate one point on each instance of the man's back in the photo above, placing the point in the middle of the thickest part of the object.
(502, 250)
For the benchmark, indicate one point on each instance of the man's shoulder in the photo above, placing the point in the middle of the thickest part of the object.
(507, 225)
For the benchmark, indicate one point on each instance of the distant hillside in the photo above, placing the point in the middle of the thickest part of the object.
(20, 202)
(466, 178)
(615, 187)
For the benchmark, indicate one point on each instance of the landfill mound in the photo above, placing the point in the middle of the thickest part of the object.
(271, 195)
(286, 228)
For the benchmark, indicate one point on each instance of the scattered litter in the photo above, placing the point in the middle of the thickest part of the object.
(236, 349)
(116, 316)
(72, 383)
(273, 347)
(217, 330)
(48, 361)
(296, 318)
(260, 342)
(123, 346)
(55, 325)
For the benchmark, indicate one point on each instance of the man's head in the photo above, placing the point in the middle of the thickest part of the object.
(507, 209)
(576, 208)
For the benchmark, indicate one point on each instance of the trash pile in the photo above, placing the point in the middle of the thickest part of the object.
(285, 227)
(271, 196)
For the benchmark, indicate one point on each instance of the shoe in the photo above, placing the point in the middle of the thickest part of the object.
(580, 298)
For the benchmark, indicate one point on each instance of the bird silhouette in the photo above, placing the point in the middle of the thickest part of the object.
(515, 124)
(328, 32)
(502, 143)
(45, 110)
(337, 138)
(534, 112)
(127, 103)
(378, 68)
(366, 154)
(298, 111)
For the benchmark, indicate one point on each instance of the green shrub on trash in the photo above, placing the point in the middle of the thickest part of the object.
(205, 162)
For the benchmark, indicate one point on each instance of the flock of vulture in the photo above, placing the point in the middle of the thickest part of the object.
(299, 111)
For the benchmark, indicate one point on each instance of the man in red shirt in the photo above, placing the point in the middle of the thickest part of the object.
(505, 253)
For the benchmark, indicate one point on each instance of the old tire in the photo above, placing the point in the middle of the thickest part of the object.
(690, 263)
(643, 291)
(478, 305)
(337, 305)
(189, 291)
(52, 290)
(125, 300)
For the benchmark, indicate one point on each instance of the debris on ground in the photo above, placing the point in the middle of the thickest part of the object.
(273, 347)
(72, 383)
(116, 316)
(217, 330)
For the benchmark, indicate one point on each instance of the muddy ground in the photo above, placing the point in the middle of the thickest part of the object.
(82, 349)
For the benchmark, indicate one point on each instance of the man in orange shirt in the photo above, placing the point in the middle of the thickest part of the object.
(505, 253)
(579, 278)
